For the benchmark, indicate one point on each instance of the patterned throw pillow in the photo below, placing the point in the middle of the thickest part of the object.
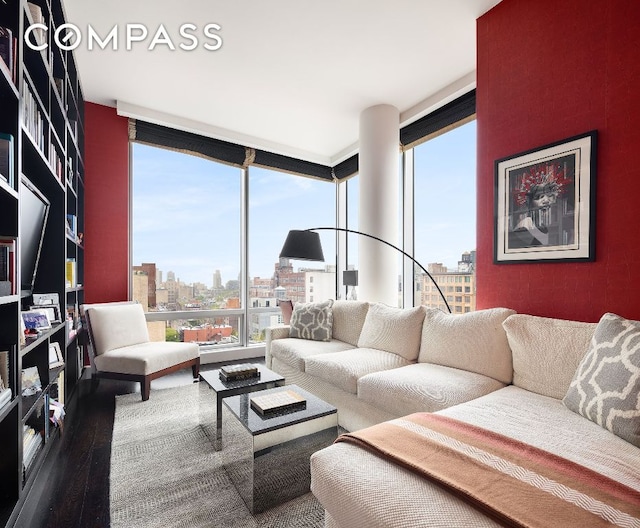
(606, 386)
(312, 321)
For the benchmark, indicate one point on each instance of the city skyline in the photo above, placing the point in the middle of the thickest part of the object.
(186, 210)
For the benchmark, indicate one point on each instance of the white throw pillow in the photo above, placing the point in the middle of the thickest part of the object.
(546, 352)
(475, 342)
(395, 330)
(348, 319)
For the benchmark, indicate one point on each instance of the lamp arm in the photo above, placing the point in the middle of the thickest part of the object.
(345, 230)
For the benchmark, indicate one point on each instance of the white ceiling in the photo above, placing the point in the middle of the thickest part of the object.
(292, 76)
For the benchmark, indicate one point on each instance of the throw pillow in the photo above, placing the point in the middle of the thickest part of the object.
(348, 319)
(395, 330)
(286, 308)
(312, 321)
(546, 351)
(606, 385)
(475, 342)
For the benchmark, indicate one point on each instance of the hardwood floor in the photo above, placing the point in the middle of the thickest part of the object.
(72, 488)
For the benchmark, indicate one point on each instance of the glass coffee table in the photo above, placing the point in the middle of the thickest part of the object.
(225, 389)
(267, 456)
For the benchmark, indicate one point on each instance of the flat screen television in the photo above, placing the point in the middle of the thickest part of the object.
(34, 211)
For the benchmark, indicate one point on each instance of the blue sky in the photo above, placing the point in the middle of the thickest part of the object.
(186, 212)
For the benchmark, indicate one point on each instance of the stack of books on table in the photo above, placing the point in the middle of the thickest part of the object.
(239, 372)
(285, 400)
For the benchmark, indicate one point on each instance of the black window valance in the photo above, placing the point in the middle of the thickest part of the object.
(460, 110)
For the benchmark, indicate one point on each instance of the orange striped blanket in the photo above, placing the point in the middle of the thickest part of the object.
(509, 481)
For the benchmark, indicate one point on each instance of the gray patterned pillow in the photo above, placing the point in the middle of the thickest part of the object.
(606, 386)
(312, 321)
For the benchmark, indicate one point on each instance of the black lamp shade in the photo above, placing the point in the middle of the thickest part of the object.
(302, 245)
(350, 278)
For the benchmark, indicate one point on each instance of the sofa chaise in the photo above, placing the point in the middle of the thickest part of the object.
(547, 386)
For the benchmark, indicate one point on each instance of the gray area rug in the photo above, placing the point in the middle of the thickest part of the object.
(165, 472)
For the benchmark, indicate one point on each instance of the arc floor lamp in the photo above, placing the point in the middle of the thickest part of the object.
(305, 245)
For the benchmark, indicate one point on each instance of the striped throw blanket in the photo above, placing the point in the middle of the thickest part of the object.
(509, 481)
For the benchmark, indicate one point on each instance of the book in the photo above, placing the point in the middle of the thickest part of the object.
(239, 372)
(5, 397)
(8, 50)
(6, 158)
(7, 267)
(285, 400)
(71, 272)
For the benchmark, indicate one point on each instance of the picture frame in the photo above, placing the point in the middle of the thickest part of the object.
(35, 321)
(49, 302)
(544, 204)
(55, 355)
(52, 311)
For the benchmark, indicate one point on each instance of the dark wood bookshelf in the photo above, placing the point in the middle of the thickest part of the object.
(41, 109)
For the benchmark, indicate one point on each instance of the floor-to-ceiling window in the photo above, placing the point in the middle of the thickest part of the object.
(279, 202)
(206, 238)
(445, 218)
(186, 244)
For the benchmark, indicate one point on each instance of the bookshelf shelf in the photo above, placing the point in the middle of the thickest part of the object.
(41, 123)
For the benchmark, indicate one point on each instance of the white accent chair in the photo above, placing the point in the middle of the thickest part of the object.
(121, 349)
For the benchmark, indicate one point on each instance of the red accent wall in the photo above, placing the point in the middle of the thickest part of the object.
(548, 70)
(106, 222)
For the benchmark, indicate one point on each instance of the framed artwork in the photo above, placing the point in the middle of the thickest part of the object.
(55, 355)
(545, 203)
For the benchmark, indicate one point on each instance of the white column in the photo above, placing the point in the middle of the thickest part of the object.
(378, 208)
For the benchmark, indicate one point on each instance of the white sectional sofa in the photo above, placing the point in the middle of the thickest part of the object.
(524, 377)
(382, 363)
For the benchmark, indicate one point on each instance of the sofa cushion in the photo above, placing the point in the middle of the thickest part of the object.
(344, 370)
(348, 318)
(423, 387)
(606, 385)
(395, 330)
(117, 325)
(312, 321)
(146, 358)
(546, 352)
(293, 351)
(475, 341)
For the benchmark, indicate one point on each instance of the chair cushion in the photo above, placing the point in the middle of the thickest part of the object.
(146, 358)
(395, 330)
(546, 352)
(117, 326)
(348, 319)
(344, 370)
(312, 321)
(475, 341)
(293, 351)
(606, 385)
(423, 387)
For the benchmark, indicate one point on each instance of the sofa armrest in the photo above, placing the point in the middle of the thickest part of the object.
(272, 333)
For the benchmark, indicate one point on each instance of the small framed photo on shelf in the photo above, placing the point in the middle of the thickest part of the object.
(544, 203)
(35, 321)
(31, 383)
(50, 302)
(55, 355)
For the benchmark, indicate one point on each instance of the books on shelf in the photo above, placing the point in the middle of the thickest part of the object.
(5, 385)
(31, 441)
(6, 158)
(239, 372)
(7, 267)
(9, 51)
(285, 400)
(32, 118)
(38, 18)
(71, 274)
